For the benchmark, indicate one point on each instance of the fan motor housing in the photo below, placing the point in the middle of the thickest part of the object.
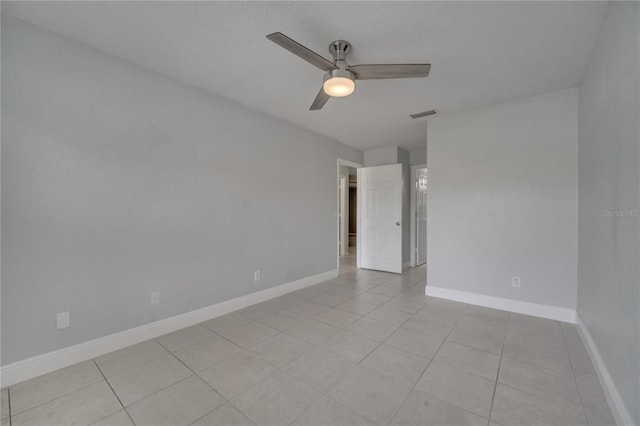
(339, 49)
(339, 73)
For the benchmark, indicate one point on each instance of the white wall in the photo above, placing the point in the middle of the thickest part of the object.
(418, 157)
(609, 172)
(117, 181)
(381, 156)
(502, 200)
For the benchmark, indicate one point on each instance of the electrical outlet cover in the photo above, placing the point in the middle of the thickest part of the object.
(515, 281)
(63, 320)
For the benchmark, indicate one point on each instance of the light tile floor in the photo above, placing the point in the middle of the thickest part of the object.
(366, 348)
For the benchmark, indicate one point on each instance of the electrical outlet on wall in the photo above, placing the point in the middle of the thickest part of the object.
(63, 320)
(515, 281)
(256, 275)
(155, 298)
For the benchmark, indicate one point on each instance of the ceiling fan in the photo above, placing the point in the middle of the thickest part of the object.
(340, 77)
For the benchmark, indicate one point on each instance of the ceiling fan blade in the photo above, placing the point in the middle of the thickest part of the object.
(297, 49)
(320, 100)
(379, 71)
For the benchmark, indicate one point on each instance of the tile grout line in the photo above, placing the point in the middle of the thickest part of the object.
(374, 349)
(529, 392)
(9, 402)
(202, 341)
(546, 369)
(495, 385)
(314, 347)
(159, 390)
(355, 366)
(178, 359)
(330, 399)
(322, 393)
(498, 370)
(227, 401)
(173, 384)
(188, 368)
(58, 397)
(114, 393)
(573, 374)
(548, 400)
(429, 363)
(278, 368)
(477, 349)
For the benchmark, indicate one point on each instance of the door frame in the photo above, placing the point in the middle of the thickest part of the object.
(414, 206)
(343, 212)
(347, 163)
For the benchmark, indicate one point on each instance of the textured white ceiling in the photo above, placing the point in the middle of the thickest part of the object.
(481, 53)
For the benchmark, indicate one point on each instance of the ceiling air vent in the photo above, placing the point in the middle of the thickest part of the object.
(423, 114)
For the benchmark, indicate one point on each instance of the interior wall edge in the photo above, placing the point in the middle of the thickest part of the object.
(618, 408)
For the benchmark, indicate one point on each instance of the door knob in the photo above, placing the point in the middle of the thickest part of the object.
(397, 223)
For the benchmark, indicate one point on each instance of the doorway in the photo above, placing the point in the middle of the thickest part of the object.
(347, 215)
(353, 213)
(418, 215)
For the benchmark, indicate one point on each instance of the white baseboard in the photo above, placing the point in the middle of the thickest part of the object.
(41, 364)
(615, 401)
(535, 309)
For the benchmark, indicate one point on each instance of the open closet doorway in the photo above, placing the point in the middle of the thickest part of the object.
(418, 215)
(347, 215)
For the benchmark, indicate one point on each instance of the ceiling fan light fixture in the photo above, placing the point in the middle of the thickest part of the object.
(339, 83)
(340, 78)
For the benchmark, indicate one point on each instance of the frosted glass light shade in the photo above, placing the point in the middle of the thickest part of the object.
(338, 87)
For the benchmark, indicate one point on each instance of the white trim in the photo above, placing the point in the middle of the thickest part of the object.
(348, 163)
(358, 218)
(535, 309)
(413, 224)
(41, 364)
(615, 401)
(343, 213)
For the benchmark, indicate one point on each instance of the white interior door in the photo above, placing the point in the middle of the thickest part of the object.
(421, 217)
(381, 217)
